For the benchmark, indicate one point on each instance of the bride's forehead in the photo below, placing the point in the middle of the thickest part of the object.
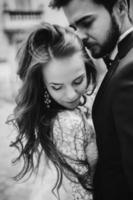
(65, 68)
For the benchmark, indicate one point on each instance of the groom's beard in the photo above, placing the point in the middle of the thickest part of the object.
(112, 38)
(109, 43)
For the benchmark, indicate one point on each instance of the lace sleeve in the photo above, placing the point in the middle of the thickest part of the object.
(91, 147)
(69, 136)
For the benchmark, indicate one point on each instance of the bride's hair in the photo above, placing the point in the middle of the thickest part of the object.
(31, 117)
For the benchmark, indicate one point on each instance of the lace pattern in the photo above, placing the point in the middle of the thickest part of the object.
(75, 139)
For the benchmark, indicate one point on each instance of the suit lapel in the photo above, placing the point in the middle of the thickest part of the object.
(104, 83)
(125, 45)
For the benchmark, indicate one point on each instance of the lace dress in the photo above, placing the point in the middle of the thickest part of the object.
(75, 138)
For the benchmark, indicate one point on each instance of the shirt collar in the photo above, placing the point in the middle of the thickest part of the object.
(115, 51)
(125, 34)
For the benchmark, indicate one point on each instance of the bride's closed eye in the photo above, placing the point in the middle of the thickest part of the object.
(79, 80)
(56, 87)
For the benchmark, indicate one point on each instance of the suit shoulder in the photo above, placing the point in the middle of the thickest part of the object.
(125, 68)
(126, 63)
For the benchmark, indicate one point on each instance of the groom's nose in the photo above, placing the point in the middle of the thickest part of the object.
(81, 33)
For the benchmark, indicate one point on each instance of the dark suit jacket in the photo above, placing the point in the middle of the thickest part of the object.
(113, 121)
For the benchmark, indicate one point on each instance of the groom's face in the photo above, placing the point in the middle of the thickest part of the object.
(97, 28)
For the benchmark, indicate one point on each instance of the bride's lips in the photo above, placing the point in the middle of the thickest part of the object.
(71, 102)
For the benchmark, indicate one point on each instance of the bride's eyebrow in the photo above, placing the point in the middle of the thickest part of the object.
(79, 21)
(52, 83)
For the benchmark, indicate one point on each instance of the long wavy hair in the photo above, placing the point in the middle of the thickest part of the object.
(31, 117)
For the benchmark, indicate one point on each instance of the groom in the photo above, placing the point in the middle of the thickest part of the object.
(106, 30)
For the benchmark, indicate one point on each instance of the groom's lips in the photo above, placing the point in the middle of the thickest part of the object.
(87, 44)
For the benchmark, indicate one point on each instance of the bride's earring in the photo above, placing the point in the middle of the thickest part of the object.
(47, 100)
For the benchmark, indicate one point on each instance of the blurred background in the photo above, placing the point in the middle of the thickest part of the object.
(16, 16)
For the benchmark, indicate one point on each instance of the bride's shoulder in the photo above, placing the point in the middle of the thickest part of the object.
(69, 118)
(68, 121)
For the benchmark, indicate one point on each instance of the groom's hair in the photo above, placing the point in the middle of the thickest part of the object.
(108, 4)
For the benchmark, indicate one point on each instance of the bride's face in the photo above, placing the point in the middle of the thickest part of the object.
(66, 80)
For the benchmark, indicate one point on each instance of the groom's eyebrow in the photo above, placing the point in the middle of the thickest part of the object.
(74, 24)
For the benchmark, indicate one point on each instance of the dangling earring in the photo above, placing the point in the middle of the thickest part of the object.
(47, 99)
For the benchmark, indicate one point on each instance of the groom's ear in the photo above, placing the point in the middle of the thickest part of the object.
(122, 5)
(120, 10)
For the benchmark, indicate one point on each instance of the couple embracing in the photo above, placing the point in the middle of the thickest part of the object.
(106, 29)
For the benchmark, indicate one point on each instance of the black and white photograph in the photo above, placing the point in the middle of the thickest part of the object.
(66, 99)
